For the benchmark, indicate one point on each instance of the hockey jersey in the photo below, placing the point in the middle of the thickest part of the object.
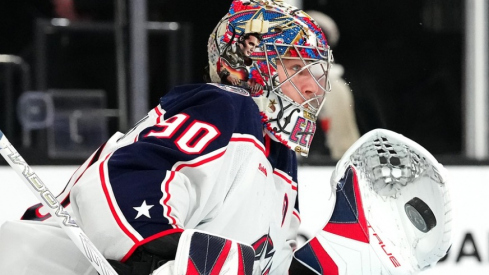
(198, 160)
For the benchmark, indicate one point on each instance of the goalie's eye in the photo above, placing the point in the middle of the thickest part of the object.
(296, 68)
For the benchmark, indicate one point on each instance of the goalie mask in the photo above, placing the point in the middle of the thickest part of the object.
(281, 56)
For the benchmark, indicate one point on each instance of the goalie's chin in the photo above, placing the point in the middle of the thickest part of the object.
(392, 213)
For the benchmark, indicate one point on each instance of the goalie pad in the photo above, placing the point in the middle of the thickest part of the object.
(392, 213)
(202, 253)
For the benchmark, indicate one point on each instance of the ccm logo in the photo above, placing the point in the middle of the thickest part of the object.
(393, 259)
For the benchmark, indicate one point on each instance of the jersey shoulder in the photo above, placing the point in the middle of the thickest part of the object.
(227, 107)
(210, 94)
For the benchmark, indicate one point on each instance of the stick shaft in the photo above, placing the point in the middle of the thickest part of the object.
(67, 223)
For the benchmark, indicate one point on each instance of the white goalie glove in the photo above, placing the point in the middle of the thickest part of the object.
(392, 213)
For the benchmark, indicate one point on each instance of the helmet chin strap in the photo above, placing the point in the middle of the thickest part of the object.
(280, 117)
(282, 122)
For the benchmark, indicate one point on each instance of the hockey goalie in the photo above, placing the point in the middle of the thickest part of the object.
(206, 183)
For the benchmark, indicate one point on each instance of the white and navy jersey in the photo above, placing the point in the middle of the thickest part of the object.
(198, 160)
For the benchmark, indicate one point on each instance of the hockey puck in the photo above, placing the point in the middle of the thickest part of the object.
(420, 214)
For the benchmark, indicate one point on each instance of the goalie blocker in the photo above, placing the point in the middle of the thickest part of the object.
(392, 213)
(203, 253)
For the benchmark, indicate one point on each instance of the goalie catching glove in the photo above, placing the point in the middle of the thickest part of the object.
(392, 213)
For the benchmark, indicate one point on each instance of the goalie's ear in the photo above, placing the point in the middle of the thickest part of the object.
(392, 210)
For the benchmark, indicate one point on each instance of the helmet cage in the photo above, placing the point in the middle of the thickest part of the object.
(312, 65)
(316, 60)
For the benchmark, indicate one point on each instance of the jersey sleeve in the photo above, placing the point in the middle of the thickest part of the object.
(161, 176)
(179, 153)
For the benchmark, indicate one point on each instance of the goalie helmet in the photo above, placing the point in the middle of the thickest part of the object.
(289, 65)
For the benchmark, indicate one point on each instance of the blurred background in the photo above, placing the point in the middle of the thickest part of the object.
(72, 72)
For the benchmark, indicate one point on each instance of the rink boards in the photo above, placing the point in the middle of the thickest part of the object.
(470, 195)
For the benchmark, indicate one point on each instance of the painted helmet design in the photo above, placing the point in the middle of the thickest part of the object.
(282, 57)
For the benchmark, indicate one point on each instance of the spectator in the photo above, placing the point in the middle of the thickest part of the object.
(337, 118)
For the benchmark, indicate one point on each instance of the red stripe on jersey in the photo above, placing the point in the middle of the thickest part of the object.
(172, 176)
(109, 201)
(137, 243)
(267, 146)
(201, 162)
(221, 259)
(165, 202)
(245, 139)
(279, 173)
(285, 178)
(211, 158)
(297, 215)
(149, 239)
(356, 231)
(158, 112)
(326, 262)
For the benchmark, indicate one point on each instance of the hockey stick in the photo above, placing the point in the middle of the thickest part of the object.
(55, 208)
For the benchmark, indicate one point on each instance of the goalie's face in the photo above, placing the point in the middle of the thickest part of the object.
(304, 82)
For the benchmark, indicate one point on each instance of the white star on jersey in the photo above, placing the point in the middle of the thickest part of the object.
(143, 210)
